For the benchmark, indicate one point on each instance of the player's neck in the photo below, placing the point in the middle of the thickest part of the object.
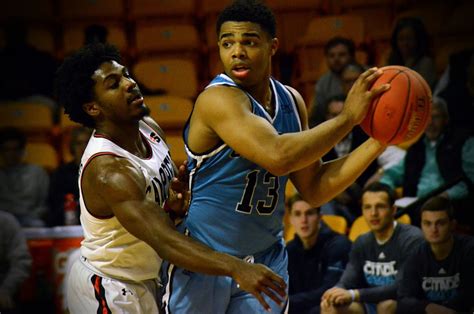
(126, 136)
(442, 250)
(263, 94)
(382, 236)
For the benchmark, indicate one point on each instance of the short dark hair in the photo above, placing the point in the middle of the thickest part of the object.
(11, 133)
(381, 187)
(340, 41)
(74, 85)
(438, 204)
(248, 11)
(295, 198)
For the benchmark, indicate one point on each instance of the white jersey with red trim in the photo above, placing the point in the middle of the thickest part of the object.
(107, 245)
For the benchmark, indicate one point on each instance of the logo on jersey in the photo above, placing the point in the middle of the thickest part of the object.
(380, 273)
(125, 291)
(160, 185)
(441, 288)
(154, 137)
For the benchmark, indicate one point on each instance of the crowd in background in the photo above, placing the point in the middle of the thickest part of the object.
(437, 169)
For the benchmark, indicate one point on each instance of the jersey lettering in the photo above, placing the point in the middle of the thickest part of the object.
(245, 205)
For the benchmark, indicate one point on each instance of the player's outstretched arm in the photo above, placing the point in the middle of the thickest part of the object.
(224, 114)
(122, 188)
(318, 183)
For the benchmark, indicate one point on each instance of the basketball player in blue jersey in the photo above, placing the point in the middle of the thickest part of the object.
(246, 136)
(124, 181)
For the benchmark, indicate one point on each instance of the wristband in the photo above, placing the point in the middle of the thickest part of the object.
(353, 295)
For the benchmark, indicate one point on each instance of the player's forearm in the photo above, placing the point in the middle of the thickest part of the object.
(186, 253)
(337, 175)
(299, 150)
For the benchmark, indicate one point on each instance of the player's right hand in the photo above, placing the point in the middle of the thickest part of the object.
(258, 279)
(360, 97)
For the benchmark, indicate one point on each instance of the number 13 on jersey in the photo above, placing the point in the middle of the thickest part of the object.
(263, 207)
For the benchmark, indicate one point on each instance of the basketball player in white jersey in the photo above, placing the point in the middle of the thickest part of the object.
(124, 182)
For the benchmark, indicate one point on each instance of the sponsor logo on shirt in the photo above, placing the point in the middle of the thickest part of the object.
(441, 288)
(380, 273)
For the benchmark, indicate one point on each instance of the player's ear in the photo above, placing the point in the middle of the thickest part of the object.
(274, 45)
(91, 108)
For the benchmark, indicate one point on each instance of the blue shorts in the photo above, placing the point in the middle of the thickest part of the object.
(188, 292)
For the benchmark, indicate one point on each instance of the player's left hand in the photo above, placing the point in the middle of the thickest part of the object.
(179, 195)
(180, 183)
(258, 280)
(178, 203)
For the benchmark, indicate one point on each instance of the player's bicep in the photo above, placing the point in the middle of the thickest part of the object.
(122, 187)
(229, 115)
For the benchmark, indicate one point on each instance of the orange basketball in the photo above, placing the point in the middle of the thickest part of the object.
(401, 113)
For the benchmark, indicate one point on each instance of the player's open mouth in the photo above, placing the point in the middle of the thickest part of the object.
(240, 71)
(136, 100)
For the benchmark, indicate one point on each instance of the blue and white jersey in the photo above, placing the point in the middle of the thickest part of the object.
(237, 207)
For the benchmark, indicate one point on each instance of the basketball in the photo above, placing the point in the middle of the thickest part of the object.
(401, 113)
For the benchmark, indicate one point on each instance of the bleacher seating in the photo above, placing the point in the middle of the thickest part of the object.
(155, 37)
(161, 8)
(42, 154)
(170, 112)
(73, 35)
(177, 76)
(97, 9)
(36, 120)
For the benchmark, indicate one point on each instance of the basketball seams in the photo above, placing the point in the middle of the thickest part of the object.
(386, 121)
(427, 92)
(407, 106)
(375, 105)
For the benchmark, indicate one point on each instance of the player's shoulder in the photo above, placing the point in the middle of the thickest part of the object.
(105, 168)
(364, 241)
(408, 231)
(225, 91)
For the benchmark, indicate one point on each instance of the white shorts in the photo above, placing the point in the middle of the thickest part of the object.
(90, 292)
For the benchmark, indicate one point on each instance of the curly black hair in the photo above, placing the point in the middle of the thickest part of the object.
(74, 85)
(248, 11)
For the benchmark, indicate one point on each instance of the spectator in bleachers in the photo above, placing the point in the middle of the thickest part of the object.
(346, 204)
(439, 157)
(339, 52)
(457, 88)
(23, 186)
(317, 257)
(369, 282)
(64, 180)
(410, 48)
(27, 73)
(15, 262)
(95, 33)
(349, 75)
(439, 275)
